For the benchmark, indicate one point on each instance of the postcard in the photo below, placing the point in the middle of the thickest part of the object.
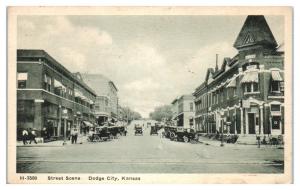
(149, 95)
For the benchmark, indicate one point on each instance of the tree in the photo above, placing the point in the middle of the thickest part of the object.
(161, 112)
(129, 114)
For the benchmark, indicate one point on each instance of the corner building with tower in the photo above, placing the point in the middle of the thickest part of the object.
(245, 95)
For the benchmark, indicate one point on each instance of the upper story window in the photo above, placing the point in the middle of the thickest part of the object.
(191, 107)
(276, 81)
(47, 82)
(250, 82)
(59, 88)
(22, 80)
(275, 107)
(234, 91)
(250, 87)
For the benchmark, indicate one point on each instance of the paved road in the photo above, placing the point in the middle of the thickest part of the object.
(148, 154)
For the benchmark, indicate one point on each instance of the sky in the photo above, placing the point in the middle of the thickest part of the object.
(151, 59)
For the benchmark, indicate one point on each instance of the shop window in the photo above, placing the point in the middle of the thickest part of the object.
(276, 122)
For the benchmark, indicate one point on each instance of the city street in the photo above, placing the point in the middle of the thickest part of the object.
(148, 154)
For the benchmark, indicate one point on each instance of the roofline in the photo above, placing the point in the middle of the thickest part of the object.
(113, 85)
(43, 54)
(175, 100)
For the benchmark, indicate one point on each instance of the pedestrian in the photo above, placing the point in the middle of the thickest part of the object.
(32, 136)
(76, 135)
(24, 136)
(258, 141)
(73, 134)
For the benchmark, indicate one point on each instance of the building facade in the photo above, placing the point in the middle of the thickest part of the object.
(183, 109)
(246, 95)
(50, 99)
(107, 101)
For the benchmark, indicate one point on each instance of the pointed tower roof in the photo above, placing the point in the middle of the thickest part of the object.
(255, 31)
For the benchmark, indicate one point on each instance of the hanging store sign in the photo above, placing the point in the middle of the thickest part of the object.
(252, 56)
(39, 101)
(64, 114)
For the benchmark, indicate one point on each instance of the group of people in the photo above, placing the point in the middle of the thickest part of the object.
(28, 136)
(74, 135)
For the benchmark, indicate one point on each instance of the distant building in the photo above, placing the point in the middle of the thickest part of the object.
(50, 98)
(106, 105)
(246, 95)
(183, 111)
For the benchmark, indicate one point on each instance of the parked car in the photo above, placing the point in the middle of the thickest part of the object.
(154, 130)
(138, 130)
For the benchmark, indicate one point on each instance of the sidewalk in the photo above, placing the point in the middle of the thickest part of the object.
(214, 142)
(58, 143)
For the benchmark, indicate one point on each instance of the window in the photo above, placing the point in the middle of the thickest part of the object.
(22, 79)
(21, 83)
(255, 87)
(276, 122)
(275, 107)
(191, 107)
(251, 87)
(248, 87)
(221, 95)
(234, 91)
(47, 82)
(256, 120)
(275, 86)
(227, 93)
(282, 86)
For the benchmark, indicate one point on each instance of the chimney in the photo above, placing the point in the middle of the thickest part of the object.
(217, 68)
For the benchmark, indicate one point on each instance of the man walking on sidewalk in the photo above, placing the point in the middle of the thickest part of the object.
(24, 136)
(74, 135)
(32, 136)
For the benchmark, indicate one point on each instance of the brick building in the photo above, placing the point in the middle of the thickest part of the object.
(246, 95)
(183, 111)
(107, 101)
(50, 99)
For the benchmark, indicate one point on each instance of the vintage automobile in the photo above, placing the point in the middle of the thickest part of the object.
(100, 134)
(138, 130)
(184, 135)
(154, 130)
(169, 132)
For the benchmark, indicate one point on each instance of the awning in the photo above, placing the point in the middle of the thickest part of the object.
(232, 83)
(57, 83)
(276, 76)
(87, 123)
(250, 77)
